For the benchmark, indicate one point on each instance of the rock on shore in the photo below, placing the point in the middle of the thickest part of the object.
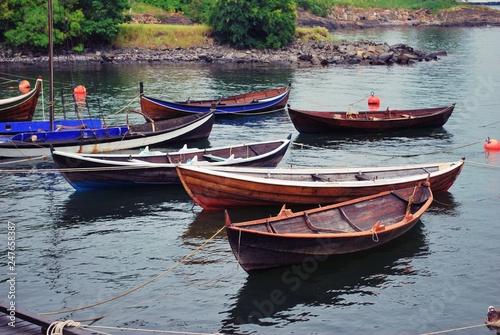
(296, 54)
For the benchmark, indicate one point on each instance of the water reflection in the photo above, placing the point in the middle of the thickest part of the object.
(277, 297)
(92, 206)
(445, 204)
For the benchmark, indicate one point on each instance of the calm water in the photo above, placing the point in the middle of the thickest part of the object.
(76, 249)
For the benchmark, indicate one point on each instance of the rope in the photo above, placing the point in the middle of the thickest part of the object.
(355, 102)
(57, 327)
(148, 330)
(22, 160)
(303, 145)
(488, 166)
(453, 330)
(142, 285)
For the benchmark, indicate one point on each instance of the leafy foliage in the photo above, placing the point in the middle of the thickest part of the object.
(254, 23)
(25, 22)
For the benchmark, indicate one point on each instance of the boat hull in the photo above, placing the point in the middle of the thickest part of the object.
(369, 121)
(7, 128)
(196, 127)
(221, 188)
(244, 104)
(312, 236)
(90, 172)
(20, 108)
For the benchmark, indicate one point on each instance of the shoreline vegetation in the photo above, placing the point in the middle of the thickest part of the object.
(175, 39)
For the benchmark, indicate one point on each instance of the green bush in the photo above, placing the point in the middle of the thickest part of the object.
(254, 23)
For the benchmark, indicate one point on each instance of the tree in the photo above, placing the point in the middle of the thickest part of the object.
(254, 23)
(75, 22)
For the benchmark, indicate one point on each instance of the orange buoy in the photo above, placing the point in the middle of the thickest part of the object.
(492, 145)
(80, 93)
(24, 86)
(373, 99)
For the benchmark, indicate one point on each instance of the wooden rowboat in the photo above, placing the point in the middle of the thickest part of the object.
(229, 187)
(104, 171)
(241, 104)
(21, 107)
(188, 128)
(310, 237)
(369, 121)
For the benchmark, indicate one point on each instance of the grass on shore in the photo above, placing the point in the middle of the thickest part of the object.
(171, 36)
(178, 36)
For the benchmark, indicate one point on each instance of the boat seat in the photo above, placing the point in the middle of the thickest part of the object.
(318, 230)
(346, 218)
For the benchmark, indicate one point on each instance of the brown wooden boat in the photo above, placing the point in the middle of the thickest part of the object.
(369, 121)
(310, 237)
(21, 107)
(216, 188)
(241, 104)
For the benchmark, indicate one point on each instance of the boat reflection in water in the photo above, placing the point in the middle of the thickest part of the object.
(110, 205)
(342, 281)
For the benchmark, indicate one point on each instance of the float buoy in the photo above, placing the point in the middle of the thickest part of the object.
(80, 93)
(373, 101)
(24, 86)
(492, 144)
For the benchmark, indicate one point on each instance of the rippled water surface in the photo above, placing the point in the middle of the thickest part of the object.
(75, 249)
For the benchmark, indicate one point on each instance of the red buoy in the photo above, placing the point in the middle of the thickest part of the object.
(24, 86)
(80, 93)
(373, 99)
(492, 144)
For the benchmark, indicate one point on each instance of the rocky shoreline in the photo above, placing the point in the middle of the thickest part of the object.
(298, 53)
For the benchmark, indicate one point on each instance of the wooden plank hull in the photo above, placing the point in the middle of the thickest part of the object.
(22, 107)
(195, 127)
(221, 188)
(369, 121)
(104, 171)
(244, 104)
(312, 236)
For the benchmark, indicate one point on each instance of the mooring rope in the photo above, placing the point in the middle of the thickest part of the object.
(488, 166)
(148, 330)
(454, 329)
(57, 328)
(303, 145)
(142, 285)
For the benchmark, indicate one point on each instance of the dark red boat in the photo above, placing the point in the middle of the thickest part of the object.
(369, 121)
(21, 107)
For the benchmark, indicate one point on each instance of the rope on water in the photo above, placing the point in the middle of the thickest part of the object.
(142, 285)
(355, 102)
(454, 330)
(148, 330)
(303, 145)
(488, 166)
(24, 160)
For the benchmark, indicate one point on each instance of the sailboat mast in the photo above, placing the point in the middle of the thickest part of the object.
(51, 68)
